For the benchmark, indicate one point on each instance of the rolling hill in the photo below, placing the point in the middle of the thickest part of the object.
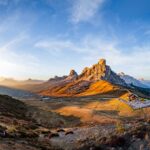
(17, 93)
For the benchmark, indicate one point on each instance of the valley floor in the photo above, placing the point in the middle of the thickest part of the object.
(73, 123)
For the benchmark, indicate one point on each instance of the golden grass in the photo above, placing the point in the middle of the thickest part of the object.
(114, 105)
(86, 115)
(108, 111)
(99, 87)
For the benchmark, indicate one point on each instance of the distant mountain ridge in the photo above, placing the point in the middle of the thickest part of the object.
(146, 82)
(133, 81)
(99, 78)
(10, 82)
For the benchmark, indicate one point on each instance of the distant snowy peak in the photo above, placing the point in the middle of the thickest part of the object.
(131, 80)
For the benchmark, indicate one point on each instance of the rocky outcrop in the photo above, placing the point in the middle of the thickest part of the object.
(72, 75)
(95, 72)
(101, 71)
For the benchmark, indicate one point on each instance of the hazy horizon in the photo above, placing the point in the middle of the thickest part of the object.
(44, 38)
(48, 77)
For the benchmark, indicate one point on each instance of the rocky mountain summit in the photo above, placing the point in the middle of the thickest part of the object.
(101, 71)
(73, 73)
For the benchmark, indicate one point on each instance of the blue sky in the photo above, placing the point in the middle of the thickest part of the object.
(43, 38)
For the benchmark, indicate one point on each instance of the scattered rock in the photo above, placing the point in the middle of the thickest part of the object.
(60, 130)
(69, 132)
(51, 135)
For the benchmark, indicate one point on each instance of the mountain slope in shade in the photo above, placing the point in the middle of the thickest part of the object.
(97, 79)
(145, 82)
(16, 93)
(132, 81)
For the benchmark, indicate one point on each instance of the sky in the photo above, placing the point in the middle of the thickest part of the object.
(43, 38)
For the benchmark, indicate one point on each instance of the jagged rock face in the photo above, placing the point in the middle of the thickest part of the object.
(101, 71)
(95, 72)
(72, 75)
(112, 77)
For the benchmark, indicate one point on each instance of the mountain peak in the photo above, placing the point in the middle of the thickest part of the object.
(101, 71)
(73, 73)
(102, 62)
(96, 72)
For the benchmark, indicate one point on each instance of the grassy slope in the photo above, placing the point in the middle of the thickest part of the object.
(99, 87)
(83, 88)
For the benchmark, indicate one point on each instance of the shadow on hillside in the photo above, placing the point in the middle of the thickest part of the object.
(47, 118)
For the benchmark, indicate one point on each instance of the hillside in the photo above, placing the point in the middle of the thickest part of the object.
(146, 82)
(17, 93)
(83, 88)
(132, 81)
(97, 79)
(72, 123)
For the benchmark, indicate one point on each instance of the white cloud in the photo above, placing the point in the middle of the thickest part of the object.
(90, 49)
(17, 65)
(84, 10)
(15, 60)
(13, 63)
(9, 45)
(55, 46)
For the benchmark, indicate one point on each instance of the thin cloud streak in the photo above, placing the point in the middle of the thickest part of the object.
(93, 48)
(84, 10)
